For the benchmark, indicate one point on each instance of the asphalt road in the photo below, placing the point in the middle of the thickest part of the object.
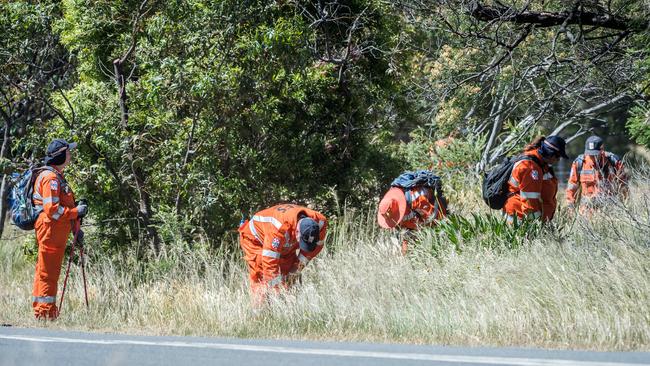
(20, 346)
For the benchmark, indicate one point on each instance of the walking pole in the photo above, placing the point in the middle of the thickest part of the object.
(83, 273)
(67, 272)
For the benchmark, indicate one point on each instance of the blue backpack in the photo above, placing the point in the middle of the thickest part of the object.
(421, 178)
(425, 178)
(23, 211)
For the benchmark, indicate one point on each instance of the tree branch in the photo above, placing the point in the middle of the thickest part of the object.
(548, 19)
(606, 105)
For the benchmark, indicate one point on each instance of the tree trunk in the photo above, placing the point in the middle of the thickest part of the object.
(5, 187)
(145, 212)
(497, 113)
(186, 159)
(4, 191)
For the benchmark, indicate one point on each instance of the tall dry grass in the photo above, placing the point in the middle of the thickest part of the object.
(581, 283)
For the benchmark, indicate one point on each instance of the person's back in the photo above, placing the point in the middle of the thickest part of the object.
(525, 188)
(595, 176)
(415, 199)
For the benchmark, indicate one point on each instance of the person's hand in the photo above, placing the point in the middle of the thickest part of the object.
(80, 238)
(293, 278)
(300, 267)
(82, 210)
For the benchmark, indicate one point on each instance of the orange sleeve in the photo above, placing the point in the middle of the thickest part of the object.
(50, 189)
(305, 257)
(573, 185)
(273, 242)
(435, 208)
(423, 206)
(427, 210)
(549, 199)
(529, 176)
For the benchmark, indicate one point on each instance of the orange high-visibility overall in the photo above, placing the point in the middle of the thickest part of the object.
(53, 227)
(270, 246)
(422, 208)
(532, 189)
(550, 187)
(601, 176)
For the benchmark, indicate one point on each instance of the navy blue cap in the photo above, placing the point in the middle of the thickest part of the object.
(309, 234)
(58, 147)
(557, 144)
(593, 145)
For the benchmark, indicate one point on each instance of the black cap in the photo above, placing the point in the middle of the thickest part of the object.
(58, 147)
(593, 145)
(309, 234)
(557, 144)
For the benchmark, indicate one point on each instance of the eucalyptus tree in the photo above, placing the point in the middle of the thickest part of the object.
(33, 67)
(193, 113)
(506, 69)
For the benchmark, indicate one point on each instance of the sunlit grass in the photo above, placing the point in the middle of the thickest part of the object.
(581, 283)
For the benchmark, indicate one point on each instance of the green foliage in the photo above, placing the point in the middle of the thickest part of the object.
(29, 249)
(232, 108)
(451, 158)
(505, 79)
(487, 231)
(31, 69)
(639, 124)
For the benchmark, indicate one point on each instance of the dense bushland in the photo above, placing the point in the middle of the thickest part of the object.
(192, 113)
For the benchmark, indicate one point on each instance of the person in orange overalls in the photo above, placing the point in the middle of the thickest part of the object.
(410, 209)
(53, 196)
(596, 175)
(533, 186)
(278, 242)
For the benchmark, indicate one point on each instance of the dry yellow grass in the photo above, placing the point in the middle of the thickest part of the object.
(582, 284)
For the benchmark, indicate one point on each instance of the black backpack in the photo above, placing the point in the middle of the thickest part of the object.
(495, 182)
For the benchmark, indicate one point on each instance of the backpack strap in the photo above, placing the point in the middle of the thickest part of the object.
(580, 160)
(37, 177)
(420, 190)
(612, 159)
(534, 159)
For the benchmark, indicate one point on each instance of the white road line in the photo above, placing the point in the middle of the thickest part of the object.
(515, 361)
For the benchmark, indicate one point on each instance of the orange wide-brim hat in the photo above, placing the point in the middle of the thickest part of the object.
(392, 208)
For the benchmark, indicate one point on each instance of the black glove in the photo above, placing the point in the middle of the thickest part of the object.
(82, 210)
(80, 238)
